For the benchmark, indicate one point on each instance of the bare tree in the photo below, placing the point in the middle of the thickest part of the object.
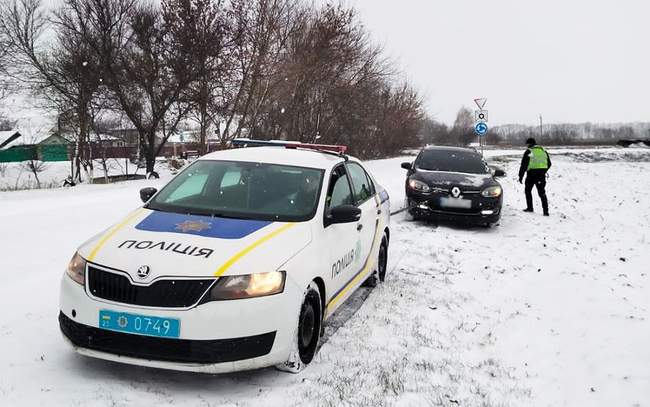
(5, 46)
(259, 68)
(202, 26)
(35, 167)
(463, 129)
(260, 31)
(66, 74)
(145, 66)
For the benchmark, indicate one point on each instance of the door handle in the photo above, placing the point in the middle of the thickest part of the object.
(359, 227)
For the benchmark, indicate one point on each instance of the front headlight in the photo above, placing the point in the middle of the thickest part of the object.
(492, 192)
(419, 186)
(248, 286)
(77, 269)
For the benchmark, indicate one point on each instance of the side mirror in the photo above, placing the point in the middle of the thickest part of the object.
(343, 214)
(147, 193)
(498, 172)
(407, 166)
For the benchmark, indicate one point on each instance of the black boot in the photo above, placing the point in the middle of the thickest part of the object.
(528, 210)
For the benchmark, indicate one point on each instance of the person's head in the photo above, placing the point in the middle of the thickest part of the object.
(531, 142)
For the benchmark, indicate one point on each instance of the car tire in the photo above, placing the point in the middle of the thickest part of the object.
(308, 332)
(415, 215)
(382, 259)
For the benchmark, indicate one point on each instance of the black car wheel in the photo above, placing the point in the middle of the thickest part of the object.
(309, 325)
(382, 263)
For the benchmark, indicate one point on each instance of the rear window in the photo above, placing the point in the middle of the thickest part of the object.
(451, 161)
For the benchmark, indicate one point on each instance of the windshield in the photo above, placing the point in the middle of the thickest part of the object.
(242, 190)
(451, 161)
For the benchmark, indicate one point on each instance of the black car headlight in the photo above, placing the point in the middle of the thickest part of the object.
(248, 286)
(419, 186)
(492, 192)
(77, 269)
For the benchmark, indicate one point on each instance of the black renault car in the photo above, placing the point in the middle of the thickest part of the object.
(453, 183)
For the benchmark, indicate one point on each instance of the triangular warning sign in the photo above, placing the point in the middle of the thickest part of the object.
(480, 102)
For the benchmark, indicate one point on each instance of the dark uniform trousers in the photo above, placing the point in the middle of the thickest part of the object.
(536, 178)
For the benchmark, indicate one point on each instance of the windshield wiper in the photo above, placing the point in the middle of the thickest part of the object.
(222, 215)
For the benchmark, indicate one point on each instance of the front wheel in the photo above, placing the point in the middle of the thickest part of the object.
(307, 333)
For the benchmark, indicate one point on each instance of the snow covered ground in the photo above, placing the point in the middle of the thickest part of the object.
(535, 311)
(17, 176)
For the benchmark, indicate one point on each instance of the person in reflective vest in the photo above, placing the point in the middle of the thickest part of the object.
(535, 163)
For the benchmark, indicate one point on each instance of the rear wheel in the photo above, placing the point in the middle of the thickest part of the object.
(308, 332)
(382, 261)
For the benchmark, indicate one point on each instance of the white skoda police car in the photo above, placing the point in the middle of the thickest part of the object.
(233, 265)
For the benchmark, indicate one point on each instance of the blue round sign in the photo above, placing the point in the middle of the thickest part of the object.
(481, 128)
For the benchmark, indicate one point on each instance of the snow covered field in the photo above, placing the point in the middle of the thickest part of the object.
(535, 311)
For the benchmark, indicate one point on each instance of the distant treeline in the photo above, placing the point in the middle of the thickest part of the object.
(461, 132)
(236, 68)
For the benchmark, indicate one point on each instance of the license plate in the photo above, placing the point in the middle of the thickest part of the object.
(455, 203)
(140, 324)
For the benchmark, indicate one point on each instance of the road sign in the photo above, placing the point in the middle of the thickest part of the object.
(480, 102)
(481, 115)
(481, 128)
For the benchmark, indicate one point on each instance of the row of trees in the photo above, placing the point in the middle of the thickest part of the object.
(460, 133)
(253, 68)
(573, 134)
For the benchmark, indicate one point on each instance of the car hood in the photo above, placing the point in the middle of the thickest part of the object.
(448, 180)
(173, 244)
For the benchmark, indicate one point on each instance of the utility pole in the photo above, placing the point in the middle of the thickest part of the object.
(541, 131)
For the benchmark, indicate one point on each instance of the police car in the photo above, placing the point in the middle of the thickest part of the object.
(235, 264)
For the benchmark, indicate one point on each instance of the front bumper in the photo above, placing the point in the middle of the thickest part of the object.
(215, 337)
(165, 349)
(482, 210)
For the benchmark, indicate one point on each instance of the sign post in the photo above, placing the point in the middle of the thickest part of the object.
(481, 118)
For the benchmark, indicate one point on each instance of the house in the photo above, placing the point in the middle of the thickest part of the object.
(55, 139)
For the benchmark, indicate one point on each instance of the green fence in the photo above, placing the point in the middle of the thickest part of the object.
(18, 154)
(54, 152)
(34, 152)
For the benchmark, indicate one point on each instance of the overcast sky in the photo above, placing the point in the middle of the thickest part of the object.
(570, 60)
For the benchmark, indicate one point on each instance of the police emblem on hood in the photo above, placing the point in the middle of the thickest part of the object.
(193, 226)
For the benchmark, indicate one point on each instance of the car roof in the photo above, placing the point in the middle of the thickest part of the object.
(277, 155)
(450, 148)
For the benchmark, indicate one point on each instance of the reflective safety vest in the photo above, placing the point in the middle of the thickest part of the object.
(538, 160)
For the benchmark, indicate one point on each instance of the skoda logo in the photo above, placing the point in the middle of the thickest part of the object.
(143, 271)
(455, 192)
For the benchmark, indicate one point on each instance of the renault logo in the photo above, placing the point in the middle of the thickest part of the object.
(143, 272)
(455, 192)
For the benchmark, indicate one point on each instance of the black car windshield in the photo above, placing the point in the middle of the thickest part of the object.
(242, 190)
(451, 161)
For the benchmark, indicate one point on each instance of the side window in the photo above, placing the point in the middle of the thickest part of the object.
(363, 188)
(339, 192)
(371, 183)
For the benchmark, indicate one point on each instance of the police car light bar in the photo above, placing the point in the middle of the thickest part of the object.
(243, 142)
